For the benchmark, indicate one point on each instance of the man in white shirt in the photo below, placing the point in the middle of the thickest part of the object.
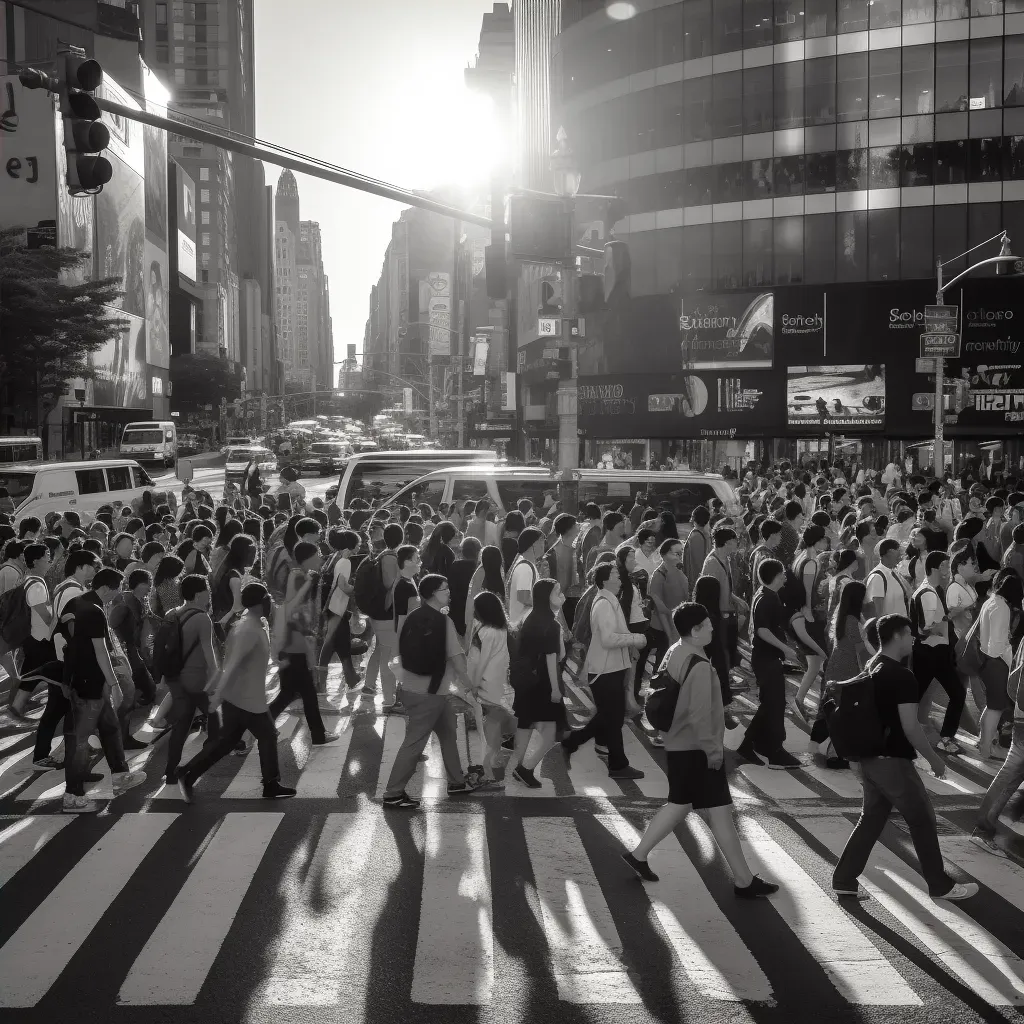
(523, 575)
(37, 649)
(480, 527)
(933, 655)
(884, 589)
(13, 568)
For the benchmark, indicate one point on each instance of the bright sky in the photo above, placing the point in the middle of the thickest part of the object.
(376, 87)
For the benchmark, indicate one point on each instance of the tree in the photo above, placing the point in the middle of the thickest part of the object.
(51, 321)
(201, 380)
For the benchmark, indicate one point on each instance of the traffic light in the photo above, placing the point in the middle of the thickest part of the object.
(32, 79)
(85, 135)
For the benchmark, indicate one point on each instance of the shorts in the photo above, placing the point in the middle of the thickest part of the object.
(994, 674)
(816, 631)
(691, 781)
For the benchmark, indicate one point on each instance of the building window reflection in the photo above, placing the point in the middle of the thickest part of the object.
(951, 76)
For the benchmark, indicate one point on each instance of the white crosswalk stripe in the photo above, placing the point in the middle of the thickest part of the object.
(317, 957)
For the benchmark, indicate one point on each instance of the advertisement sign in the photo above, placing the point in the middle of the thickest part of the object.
(28, 198)
(690, 405)
(480, 357)
(120, 369)
(508, 392)
(943, 346)
(727, 331)
(829, 397)
(186, 206)
(158, 349)
(121, 231)
(439, 311)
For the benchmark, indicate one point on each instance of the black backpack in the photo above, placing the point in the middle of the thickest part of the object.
(851, 713)
(168, 655)
(661, 704)
(423, 647)
(15, 614)
(372, 598)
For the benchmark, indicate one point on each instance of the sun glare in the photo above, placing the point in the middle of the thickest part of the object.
(468, 144)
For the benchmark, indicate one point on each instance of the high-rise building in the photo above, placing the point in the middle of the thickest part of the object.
(313, 313)
(536, 24)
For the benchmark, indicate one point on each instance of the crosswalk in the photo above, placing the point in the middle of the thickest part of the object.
(465, 907)
(359, 763)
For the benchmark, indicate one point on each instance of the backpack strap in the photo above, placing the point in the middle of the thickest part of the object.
(182, 619)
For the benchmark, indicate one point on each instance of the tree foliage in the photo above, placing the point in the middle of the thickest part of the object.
(51, 321)
(199, 380)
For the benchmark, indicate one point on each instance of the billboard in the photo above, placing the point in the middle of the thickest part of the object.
(727, 331)
(437, 290)
(832, 397)
(158, 350)
(185, 200)
(120, 369)
(28, 198)
(121, 233)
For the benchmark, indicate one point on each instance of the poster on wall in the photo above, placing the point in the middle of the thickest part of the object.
(158, 351)
(185, 200)
(120, 369)
(727, 331)
(121, 234)
(828, 397)
(155, 142)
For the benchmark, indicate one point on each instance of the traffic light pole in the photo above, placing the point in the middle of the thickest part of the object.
(567, 395)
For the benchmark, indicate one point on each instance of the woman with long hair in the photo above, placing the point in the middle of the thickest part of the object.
(227, 582)
(166, 593)
(438, 556)
(668, 528)
(488, 667)
(994, 638)
(539, 703)
(707, 592)
(490, 574)
(228, 532)
(632, 602)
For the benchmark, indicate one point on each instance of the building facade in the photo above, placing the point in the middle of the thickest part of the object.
(803, 165)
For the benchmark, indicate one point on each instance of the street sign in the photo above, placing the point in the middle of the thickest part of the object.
(947, 325)
(549, 326)
(924, 366)
(941, 312)
(945, 346)
(577, 327)
(923, 401)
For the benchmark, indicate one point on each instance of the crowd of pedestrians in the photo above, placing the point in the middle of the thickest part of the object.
(184, 607)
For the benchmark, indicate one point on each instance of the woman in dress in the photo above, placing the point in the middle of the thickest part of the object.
(994, 630)
(487, 663)
(539, 702)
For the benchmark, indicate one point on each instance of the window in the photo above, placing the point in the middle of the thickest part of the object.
(951, 76)
(915, 12)
(161, 14)
(668, 35)
(759, 180)
(179, 76)
(951, 163)
(668, 105)
(757, 99)
(820, 90)
(728, 183)
(1013, 71)
(757, 253)
(789, 175)
(985, 159)
(512, 491)
(852, 87)
(852, 15)
(1014, 148)
(789, 20)
(986, 72)
(697, 36)
(205, 238)
(206, 217)
(883, 245)
(851, 170)
(884, 13)
(727, 246)
(819, 18)
(682, 497)
(851, 245)
(820, 171)
(916, 243)
(727, 108)
(644, 49)
(119, 478)
(789, 95)
(950, 10)
(789, 250)
(819, 248)
(918, 80)
(204, 173)
(728, 25)
(884, 90)
(917, 165)
(90, 481)
(204, 195)
(951, 235)
(179, 32)
(179, 55)
(757, 23)
(162, 54)
(697, 257)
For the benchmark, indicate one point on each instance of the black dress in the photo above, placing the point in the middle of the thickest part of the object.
(538, 637)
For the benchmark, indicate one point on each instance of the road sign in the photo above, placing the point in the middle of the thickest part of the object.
(924, 366)
(945, 346)
(549, 326)
(940, 326)
(941, 312)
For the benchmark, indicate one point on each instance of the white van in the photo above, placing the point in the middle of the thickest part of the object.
(504, 486)
(376, 476)
(150, 441)
(41, 487)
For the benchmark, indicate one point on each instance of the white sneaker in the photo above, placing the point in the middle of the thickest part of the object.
(78, 805)
(123, 781)
(960, 891)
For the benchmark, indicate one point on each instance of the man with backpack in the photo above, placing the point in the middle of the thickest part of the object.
(879, 727)
(427, 646)
(185, 657)
(589, 536)
(90, 678)
(697, 545)
(26, 622)
(523, 574)
(884, 589)
(374, 593)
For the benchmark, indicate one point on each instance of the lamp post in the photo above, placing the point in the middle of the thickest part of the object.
(567, 177)
(1003, 266)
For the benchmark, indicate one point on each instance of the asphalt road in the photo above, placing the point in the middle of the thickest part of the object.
(504, 906)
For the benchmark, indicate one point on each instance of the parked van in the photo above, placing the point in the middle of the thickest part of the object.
(376, 476)
(151, 441)
(20, 449)
(41, 487)
(504, 486)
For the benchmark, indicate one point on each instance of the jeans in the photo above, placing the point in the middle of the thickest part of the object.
(426, 713)
(338, 640)
(297, 681)
(767, 729)
(1005, 784)
(84, 717)
(893, 782)
(182, 712)
(385, 647)
(608, 690)
(140, 674)
(57, 707)
(937, 663)
(234, 723)
(35, 654)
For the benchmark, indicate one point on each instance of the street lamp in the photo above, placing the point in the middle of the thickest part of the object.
(567, 178)
(1005, 263)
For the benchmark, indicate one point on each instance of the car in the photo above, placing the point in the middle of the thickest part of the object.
(238, 458)
(325, 457)
(239, 442)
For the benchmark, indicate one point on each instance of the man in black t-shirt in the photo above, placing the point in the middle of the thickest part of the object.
(767, 730)
(891, 780)
(89, 678)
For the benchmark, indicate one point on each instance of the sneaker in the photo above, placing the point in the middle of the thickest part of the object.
(858, 895)
(987, 841)
(133, 744)
(370, 691)
(731, 722)
(78, 805)
(526, 777)
(747, 752)
(241, 749)
(960, 891)
(398, 708)
(403, 801)
(837, 764)
(472, 782)
(757, 888)
(325, 741)
(171, 779)
(783, 760)
(123, 781)
(948, 745)
(275, 791)
(48, 764)
(629, 772)
(185, 789)
(641, 867)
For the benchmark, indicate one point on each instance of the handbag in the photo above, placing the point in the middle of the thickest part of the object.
(969, 658)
